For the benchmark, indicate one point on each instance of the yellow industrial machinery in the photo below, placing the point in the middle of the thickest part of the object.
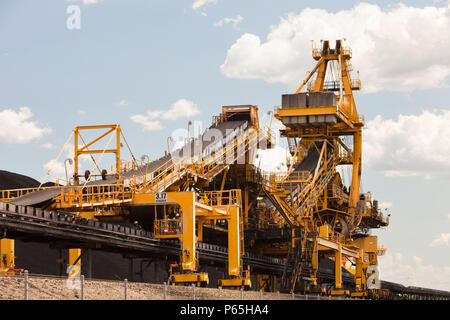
(212, 186)
(331, 218)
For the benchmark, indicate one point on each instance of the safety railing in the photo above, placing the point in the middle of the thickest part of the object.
(374, 214)
(335, 191)
(327, 85)
(279, 181)
(297, 176)
(91, 196)
(334, 85)
(9, 195)
(346, 51)
(158, 179)
(362, 119)
(134, 165)
(167, 227)
(309, 194)
(222, 198)
(318, 52)
(345, 155)
(272, 182)
(356, 84)
(167, 176)
(219, 119)
(207, 167)
(231, 152)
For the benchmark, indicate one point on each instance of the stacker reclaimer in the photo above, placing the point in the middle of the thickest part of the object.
(212, 191)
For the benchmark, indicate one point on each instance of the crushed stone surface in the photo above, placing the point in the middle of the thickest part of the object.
(41, 288)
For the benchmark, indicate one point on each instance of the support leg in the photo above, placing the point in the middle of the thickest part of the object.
(7, 257)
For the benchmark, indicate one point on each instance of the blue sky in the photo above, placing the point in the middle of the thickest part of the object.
(131, 59)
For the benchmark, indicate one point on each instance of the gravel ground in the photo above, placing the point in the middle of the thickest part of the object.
(40, 288)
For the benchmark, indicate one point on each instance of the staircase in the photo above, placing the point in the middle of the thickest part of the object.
(308, 196)
(298, 259)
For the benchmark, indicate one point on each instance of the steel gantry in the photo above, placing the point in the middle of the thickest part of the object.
(212, 191)
(333, 217)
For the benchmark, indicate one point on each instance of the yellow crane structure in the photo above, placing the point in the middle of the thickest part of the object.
(330, 218)
(212, 183)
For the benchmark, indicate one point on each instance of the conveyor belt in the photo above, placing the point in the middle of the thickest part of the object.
(209, 144)
(309, 163)
(37, 197)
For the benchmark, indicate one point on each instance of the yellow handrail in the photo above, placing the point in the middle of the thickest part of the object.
(8, 195)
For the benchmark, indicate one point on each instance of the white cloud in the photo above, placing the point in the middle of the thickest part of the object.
(182, 108)
(86, 2)
(123, 103)
(200, 3)
(48, 146)
(394, 268)
(234, 21)
(412, 145)
(57, 168)
(395, 48)
(15, 127)
(81, 112)
(272, 160)
(386, 205)
(442, 239)
(149, 125)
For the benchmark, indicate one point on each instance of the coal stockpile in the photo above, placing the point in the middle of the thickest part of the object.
(9, 180)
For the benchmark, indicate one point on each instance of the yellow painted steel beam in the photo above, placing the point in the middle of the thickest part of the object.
(191, 218)
(325, 110)
(325, 244)
(241, 282)
(234, 247)
(321, 76)
(310, 74)
(7, 258)
(107, 126)
(97, 151)
(197, 278)
(205, 209)
(80, 151)
(356, 175)
(338, 267)
(96, 139)
(74, 266)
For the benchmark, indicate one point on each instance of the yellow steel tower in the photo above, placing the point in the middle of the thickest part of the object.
(333, 219)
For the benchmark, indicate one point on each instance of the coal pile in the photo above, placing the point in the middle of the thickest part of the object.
(9, 180)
